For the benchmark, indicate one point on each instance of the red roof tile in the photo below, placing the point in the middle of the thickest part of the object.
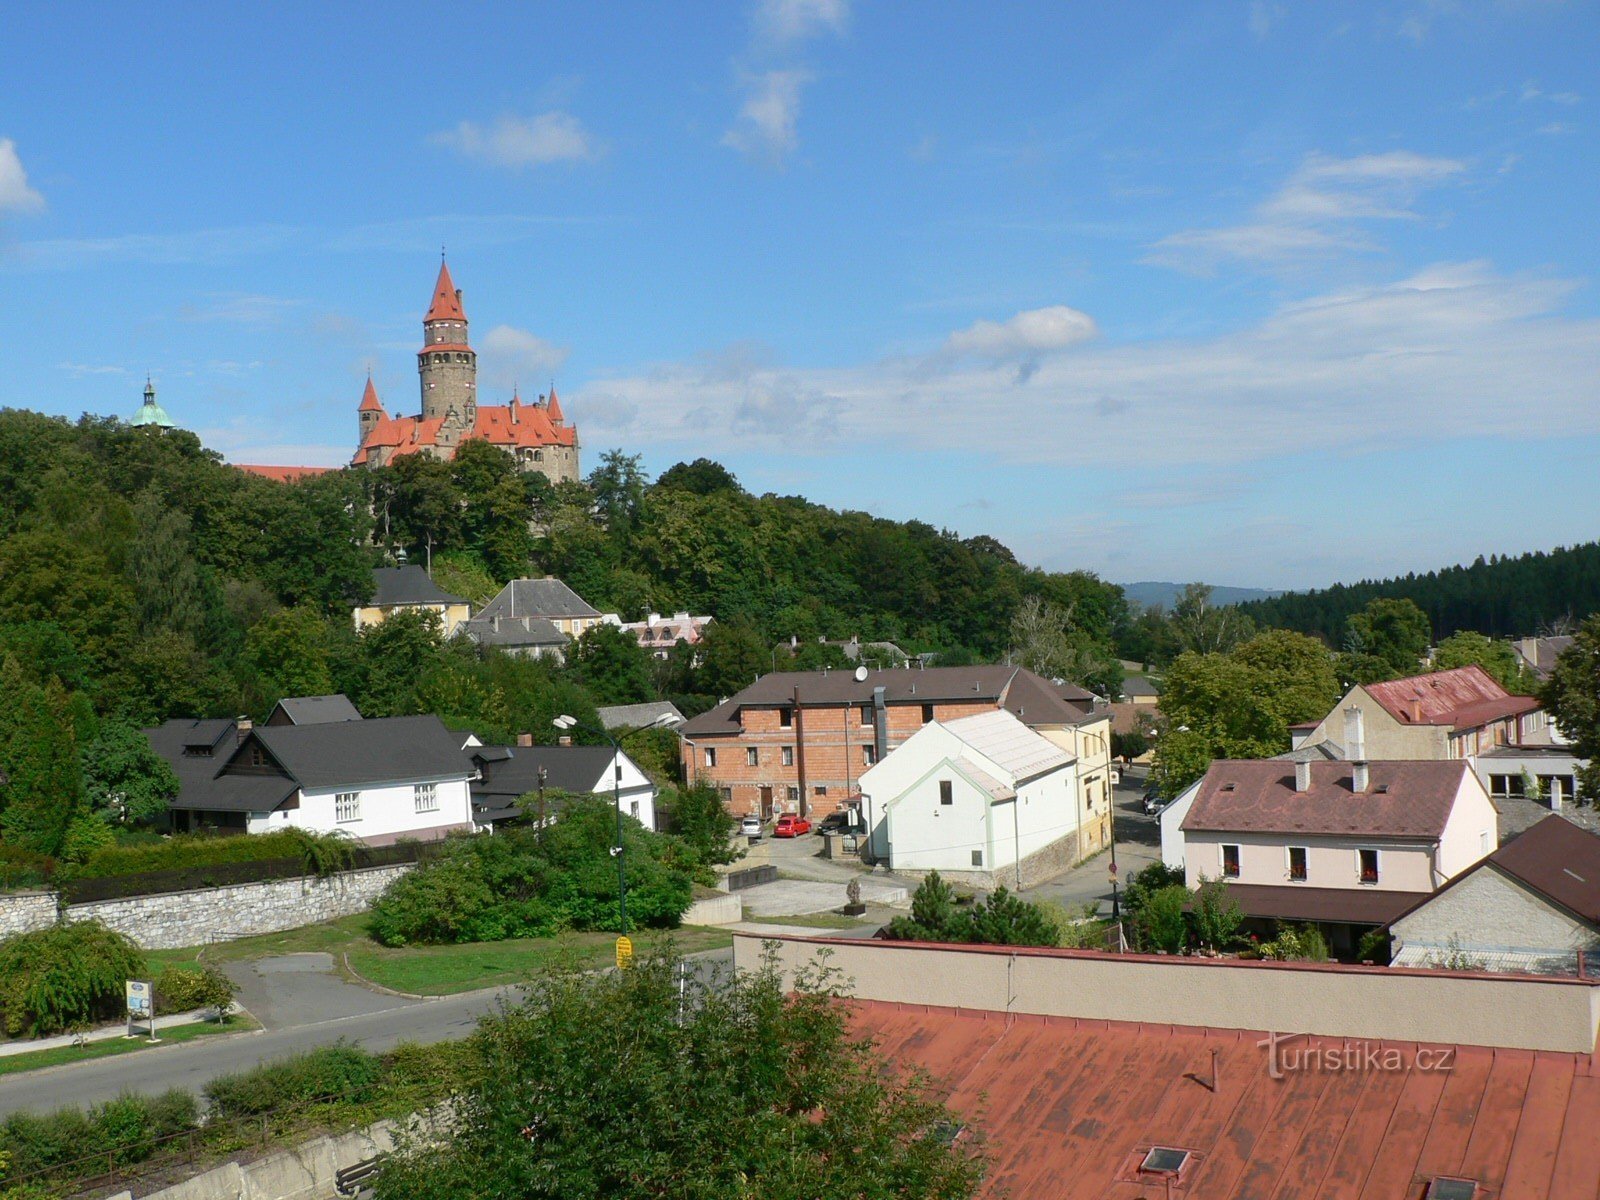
(554, 407)
(1462, 698)
(446, 304)
(1404, 799)
(369, 399)
(283, 474)
(1068, 1107)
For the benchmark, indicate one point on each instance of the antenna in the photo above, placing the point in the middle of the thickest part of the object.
(861, 674)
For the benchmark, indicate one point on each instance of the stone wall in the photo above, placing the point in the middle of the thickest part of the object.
(1490, 912)
(1042, 864)
(173, 919)
(23, 912)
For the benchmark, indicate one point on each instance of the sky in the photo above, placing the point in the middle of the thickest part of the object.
(1259, 293)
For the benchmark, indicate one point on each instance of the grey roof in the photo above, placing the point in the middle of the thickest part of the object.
(637, 716)
(500, 630)
(198, 785)
(547, 597)
(407, 585)
(358, 753)
(1139, 685)
(577, 769)
(315, 710)
(1034, 700)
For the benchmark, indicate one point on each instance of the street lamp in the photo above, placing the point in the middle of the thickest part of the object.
(565, 722)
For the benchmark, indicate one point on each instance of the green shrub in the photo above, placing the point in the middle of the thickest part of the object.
(938, 915)
(520, 883)
(1295, 943)
(21, 868)
(1161, 921)
(180, 990)
(128, 1128)
(321, 853)
(338, 1072)
(64, 977)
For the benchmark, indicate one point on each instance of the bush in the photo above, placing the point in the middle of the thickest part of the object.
(1295, 943)
(64, 977)
(528, 883)
(1003, 919)
(179, 990)
(21, 868)
(339, 1071)
(320, 853)
(1161, 923)
(128, 1128)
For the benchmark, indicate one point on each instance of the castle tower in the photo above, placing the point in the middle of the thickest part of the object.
(447, 365)
(370, 412)
(151, 415)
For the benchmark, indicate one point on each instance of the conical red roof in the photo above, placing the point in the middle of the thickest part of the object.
(555, 407)
(369, 398)
(446, 304)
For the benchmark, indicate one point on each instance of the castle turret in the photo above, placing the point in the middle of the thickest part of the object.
(370, 412)
(151, 415)
(554, 409)
(447, 364)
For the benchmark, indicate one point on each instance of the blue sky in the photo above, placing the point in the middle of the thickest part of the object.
(1260, 293)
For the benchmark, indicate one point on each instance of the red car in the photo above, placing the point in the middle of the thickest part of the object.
(790, 825)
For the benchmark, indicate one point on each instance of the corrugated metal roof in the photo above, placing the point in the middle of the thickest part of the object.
(1463, 698)
(1009, 744)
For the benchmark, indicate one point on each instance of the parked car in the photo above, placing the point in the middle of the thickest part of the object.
(750, 827)
(789, 825)
(1153, 803)
(834, 822)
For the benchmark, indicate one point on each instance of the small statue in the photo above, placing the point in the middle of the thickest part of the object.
(852, 899)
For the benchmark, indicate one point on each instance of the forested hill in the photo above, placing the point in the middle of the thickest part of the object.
(1163, 595)
(1501, 597)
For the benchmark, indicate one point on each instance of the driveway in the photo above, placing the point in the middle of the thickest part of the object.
(303, 989)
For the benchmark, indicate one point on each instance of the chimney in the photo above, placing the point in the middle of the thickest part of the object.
(1302, 775)
(1360, 777)
(564, 740)
(525, 739)
(1355, 734)
(244, 725)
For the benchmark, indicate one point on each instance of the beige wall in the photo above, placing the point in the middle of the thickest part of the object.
(1330, 862)
(1090, 743)
(450, 615)
(1387, 739)
(1338, 1001)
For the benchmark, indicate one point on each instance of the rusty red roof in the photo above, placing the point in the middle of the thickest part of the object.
(1463, 698)
(1068, 1108)
(509, 427)
(446, 304)
(554, 407)
(369, 399)
(1404, 799)
(283, 474)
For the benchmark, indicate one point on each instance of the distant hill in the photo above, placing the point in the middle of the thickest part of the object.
(1152, 594)
(1502, 596)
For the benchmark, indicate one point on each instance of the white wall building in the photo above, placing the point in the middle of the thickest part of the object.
(981, 799)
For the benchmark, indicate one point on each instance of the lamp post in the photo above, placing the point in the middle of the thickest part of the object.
(565, 722)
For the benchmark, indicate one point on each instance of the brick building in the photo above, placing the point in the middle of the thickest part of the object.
(799, 741)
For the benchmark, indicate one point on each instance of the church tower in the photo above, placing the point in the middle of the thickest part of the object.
(447, 365)
(370, 413)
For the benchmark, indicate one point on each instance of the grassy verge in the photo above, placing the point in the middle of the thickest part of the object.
(58, 1056)
(821, 920)
(443, 970)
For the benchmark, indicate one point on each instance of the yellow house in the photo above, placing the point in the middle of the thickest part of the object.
(1088, 739)
(403, 589)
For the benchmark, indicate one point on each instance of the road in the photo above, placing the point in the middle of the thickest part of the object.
(1138, 840)
(191, 1065)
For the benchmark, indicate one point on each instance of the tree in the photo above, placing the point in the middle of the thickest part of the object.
(613, 666)
(1572, 697)
(1395, 633)
(392, 655)
(1007, 920)
(580, 1093)
(935, 916)
(288, 654)
(1215, 708)
(1205, 628)
(696, 815)
(1049, 640)
(1294, 674)
(43, 791)
(124, 780)
(1215, 916)
(618, 484)
(1498, 659)
(702, 477)
(161, 566)
(733, 656)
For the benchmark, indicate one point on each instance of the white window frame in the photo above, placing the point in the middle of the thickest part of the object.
(711, 756)
(1377, 866)
(1222, 859)
(425, 796)
(1288, 863)
(752, 756)
(347, 807)
(788, 756)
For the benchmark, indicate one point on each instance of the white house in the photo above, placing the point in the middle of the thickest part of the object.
(377, 781)
(981, 799)
(1171, 821)
(508, 773)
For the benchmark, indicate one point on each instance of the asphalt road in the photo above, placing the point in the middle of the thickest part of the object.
(1138, 840)
(191, 1065)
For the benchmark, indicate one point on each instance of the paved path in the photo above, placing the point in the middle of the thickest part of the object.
(302, 989)
(793, 897)
(191, 1065)
(1138, 840)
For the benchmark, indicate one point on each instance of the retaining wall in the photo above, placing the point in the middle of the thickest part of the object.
(23, 912)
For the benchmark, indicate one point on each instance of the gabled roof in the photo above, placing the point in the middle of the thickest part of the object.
(1009, 744)
(1067, 1108)
(446, 304)
(407, 585)
(363, 753)
(519, 631)
(315, 710)
(577, 769)
(1033, 700)
(1462, 698)
(1139, 685)
(547, 597)
(282, 474)
(1405, 799)
(1559, 861)
(196, 751)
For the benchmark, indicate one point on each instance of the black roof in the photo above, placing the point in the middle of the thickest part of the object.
(387, 750)
(407, 585)
(196, 750)
(315, 710)
(512, 771)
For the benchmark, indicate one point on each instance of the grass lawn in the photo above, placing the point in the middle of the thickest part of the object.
(60, 1055)
(821, 920)
(441, 970)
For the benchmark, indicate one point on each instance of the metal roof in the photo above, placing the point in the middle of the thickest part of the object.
(637, 716)
(315, 710)
(547, 597)
(1009, 744)
(1404, 799)
(1463, 698)
(407, 585)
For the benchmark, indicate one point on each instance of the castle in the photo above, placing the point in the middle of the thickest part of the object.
(536, 435)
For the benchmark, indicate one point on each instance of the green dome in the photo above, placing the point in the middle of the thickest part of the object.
(151, 413)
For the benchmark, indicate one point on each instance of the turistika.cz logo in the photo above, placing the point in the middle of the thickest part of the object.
(1288, 1054)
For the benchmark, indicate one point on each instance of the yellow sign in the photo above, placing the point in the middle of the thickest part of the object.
(624, 953)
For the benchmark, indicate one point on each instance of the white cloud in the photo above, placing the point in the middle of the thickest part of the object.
(1037, 331)
(1454, 351)
(795, 20)
(766, 126)
(1313, 214)
(80, 370)
(1556, 127)
(1263, 16)
(239, 308)
(1532, 91)
(513, 357)
(15, 194)
(513, 141)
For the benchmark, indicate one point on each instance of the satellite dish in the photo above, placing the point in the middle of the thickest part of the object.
(861, 674)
